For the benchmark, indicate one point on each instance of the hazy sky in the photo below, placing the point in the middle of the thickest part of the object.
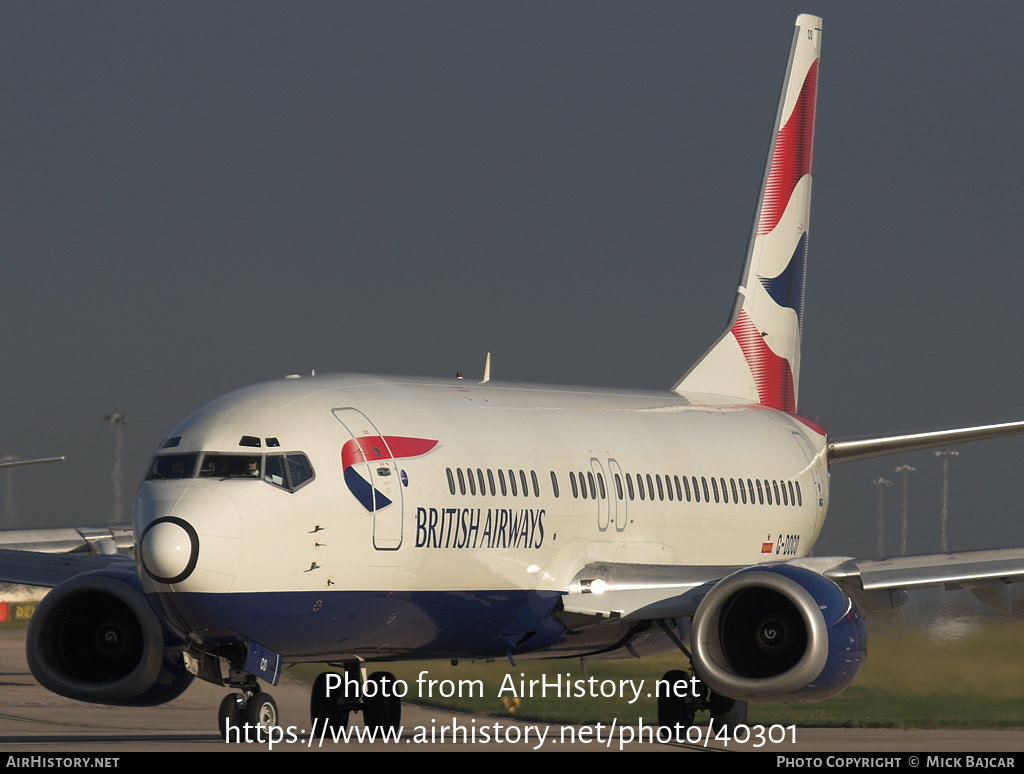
(197, 196)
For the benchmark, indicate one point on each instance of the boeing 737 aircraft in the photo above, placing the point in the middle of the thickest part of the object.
(355, 519)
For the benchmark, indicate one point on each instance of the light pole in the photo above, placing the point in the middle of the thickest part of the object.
(881, 483)
(10, 518)
(905, 470)
(945, 454)
(118, 421)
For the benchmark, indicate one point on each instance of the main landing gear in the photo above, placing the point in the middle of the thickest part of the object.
(336, 695)
(681, 696)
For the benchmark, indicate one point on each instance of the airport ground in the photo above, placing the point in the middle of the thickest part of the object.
(34, 721)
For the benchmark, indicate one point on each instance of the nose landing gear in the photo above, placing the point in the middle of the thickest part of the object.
(247, 716)
(250, 714)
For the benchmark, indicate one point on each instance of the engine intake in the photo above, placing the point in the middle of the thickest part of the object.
(776, 633)
(95, 638)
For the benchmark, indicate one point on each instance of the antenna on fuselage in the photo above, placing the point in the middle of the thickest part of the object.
(487, 369)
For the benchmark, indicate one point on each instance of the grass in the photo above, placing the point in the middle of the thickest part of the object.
(909, 681)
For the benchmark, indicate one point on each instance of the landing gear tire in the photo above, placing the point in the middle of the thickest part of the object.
(675, 710)
(261, 711)
(328, 711)
(727, 713)
(231, 714)
(382, 709)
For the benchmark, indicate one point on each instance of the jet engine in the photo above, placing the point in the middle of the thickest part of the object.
(777, 633)
(95, 638)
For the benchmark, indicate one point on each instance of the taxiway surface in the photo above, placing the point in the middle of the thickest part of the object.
(35, 721)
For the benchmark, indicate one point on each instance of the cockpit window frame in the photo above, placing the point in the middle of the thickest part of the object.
(294, 465)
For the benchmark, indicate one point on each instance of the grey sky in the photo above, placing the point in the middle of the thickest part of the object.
(197, 196)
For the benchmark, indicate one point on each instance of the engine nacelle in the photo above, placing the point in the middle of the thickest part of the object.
(777, 633)
(95, 638)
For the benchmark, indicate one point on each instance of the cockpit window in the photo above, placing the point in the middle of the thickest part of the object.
(230, 466)
(173, 466)
(288, 471)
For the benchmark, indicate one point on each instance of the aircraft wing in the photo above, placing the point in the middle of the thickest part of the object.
(33, 568)
(37, 461)
(47, 557)
(986, 574)
(866, 448)
(602, 592)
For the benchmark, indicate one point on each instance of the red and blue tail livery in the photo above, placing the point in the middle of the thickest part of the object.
(757, 358)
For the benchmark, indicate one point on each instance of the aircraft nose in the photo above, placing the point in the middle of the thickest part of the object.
(188, 535)
(169, 550)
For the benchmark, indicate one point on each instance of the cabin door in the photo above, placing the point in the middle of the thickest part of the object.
(372, 476)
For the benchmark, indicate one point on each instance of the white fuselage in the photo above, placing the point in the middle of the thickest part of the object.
(678, 481)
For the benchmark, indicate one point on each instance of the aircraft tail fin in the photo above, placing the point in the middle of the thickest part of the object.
(757, 358)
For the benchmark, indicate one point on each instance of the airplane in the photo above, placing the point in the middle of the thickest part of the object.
(357, 519)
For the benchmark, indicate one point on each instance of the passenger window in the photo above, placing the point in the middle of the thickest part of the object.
(501, 482)
(554, 483)
(572, 483)
(451, 480)
(536, 483)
